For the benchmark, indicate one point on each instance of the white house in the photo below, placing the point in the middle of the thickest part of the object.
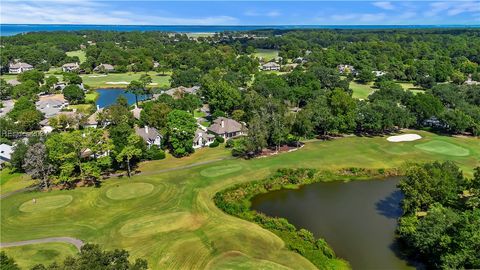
(70, 67)
(19, 67)
(202, 138)
(5, 153)
(150, 135)
(379, 73)
(271, 66)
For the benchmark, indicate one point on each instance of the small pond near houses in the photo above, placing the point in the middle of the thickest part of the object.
(357, 218)
(109, 96)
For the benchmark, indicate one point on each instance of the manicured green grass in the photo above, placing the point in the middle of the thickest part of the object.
(410, 87)
(444, 148)
(361, 91)
(13, 181)
(178, 226)
(266, 54)
(83, 108)
(28, 256)
(129, 191)
(81, 55)
(198, 113)
(46, 203)
(100, 80)
(91, 96)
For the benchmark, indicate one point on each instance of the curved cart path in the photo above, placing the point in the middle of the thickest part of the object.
(76, 242)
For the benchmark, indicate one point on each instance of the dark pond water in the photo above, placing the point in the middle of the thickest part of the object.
(109, 96)
(357, 219)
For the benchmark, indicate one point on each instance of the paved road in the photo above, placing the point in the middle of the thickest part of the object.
(76, 242)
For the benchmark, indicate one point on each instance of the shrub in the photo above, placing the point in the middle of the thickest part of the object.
(219, 139)
(214, 144)
(230, 143)
(154, 153)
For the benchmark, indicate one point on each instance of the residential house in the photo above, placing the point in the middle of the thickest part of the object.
(346, 69)
(379, 73)
(13, 82)
(180, 91)
(70, 67)
(5, 153)
(202, 138)
(270, 66)
(19, 67)
(150, 135)
(227, 128)
(92, 120)
(51, 105)
(104, 68)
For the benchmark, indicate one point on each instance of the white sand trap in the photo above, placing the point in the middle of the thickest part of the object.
(117, 82)
(97, 76)
(153, 83)
(404, 138)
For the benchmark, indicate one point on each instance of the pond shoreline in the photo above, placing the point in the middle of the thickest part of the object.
(237, 201)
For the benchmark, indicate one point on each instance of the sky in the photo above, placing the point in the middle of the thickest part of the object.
(240, 12)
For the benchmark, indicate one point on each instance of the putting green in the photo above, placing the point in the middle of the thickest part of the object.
(444, 148)
(46, 203)
(129, 191)
(221, 170)
(163, 223)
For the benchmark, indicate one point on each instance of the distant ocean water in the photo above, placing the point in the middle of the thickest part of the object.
(13, 29)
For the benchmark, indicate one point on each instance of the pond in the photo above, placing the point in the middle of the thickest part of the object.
(109, 96)
(357, 219)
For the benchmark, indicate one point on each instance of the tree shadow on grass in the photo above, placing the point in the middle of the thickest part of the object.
(389, 206)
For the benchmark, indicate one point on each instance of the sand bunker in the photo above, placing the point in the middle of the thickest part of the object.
(404, 138)
(123, 82)
(97, 76)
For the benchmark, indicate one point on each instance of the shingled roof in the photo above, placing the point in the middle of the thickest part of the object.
(223, 125)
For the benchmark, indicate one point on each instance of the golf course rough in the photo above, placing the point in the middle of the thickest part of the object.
(45, 203)
(150, 225)
(221, 170)
(443, 148)
(129, 191)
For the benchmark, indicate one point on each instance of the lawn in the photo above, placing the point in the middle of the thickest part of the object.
(410, 87)
(121, 80)
(13, 181)
(266, 54)
(168, 216)
(80, 54)
(361, 91)
(30, 255)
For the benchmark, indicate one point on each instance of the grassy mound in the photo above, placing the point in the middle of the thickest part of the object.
(129, 191)
(30, 255)
(46, 203)
(221, 170)
(443, 148)
(150, 225)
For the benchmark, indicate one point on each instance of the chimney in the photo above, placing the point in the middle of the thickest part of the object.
(98, 107)
(223, 123)
(146, 129)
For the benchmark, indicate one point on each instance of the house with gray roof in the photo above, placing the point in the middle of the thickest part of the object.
(150, 135)
(70, 67)
(270, 66)
(104, 68)
(51, 105)
(202, 138)
(227, 128)
(19, 67)
(180, 91)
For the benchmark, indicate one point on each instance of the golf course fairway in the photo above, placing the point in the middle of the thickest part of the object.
(167, 216)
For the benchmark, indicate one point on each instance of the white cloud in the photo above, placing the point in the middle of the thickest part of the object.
(360, 18)
(89, 12)
(452, 8)
(254, 13)
(384, 5)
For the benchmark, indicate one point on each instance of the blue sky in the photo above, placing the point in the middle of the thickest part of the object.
(240, 12)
